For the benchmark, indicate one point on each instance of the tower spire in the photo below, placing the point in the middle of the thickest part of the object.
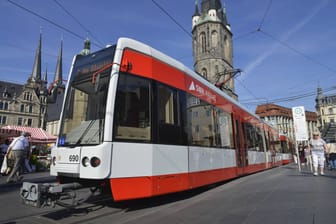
(58, 79)
(36, 74)
(45, 78)
(196, 9)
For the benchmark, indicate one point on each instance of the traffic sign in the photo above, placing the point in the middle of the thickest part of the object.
(300, 124)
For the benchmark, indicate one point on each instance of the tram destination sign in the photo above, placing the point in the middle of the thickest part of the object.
(300, 124)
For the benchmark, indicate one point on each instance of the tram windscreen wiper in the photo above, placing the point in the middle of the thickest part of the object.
(84, 133)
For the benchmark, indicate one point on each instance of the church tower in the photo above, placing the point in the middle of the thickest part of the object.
(212, 45)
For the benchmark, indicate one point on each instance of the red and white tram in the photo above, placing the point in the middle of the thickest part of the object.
(144, 124)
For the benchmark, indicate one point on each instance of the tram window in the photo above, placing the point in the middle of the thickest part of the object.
(267, 141)
(254, 138)
(224, 130)
(284, 146)
(212, 127)
(170, 110)
(251, 137)
(277, 144)
(202, 131)
(260, 140)
(132, 119)
(167, 105)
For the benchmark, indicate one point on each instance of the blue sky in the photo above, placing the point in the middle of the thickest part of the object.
(286, 48)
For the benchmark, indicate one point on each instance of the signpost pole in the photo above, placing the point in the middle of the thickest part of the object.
(298, 155)
(300, 128)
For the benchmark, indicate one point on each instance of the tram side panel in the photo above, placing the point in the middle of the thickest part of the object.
(257, 161)
(210, 165)
(145, 170)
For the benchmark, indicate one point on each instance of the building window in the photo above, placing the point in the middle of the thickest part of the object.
(3, 119)
(29, 122)
(22, 107)
(331, 111)
(203, 42)
(214, 39)
(30, 109)
(3, 106)
(20, 121)
(28, 96)
(226, 42)
(204, 73)
(197, 128)
(210, 127)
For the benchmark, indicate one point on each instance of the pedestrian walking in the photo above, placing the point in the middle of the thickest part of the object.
(18, 148)
(3, 150)
(308, 156)
(332, 155)
(302, 155)
(318, 147)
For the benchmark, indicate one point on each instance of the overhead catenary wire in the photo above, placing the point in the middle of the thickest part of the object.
(285, 99)
(51, 22)
(172, 18)
(78, 22)
(283, 43)
(265, 14)
(260, 24)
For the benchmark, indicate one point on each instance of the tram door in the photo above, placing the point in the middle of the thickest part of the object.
(241, 147)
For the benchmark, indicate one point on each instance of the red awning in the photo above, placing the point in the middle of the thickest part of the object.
(38, 135)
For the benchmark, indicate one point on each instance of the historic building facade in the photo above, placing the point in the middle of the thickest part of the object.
(326, 115)
(212, 45)
(325, 108)
(282, 118)
(26, 105)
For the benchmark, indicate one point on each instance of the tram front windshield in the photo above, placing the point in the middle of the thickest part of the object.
(82, 122)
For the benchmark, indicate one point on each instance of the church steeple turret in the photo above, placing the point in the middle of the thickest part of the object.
(196, 9)
(58, 79)
(87, 47)
(44, 86)
(36, 74)
(196, 15)
(45, 77)
(57, 86)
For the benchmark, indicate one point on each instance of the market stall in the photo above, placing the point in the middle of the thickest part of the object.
(38, 135)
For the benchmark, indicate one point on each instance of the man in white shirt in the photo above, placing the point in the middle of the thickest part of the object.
(19, 148)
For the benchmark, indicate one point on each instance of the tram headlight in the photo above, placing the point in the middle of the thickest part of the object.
(95, 161)
(86, 161)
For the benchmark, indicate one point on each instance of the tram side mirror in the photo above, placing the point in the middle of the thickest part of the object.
(96, 84)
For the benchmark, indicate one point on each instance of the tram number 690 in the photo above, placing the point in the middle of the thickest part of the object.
(73, 158)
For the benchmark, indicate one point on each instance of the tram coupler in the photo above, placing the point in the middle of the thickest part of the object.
(46, 194)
